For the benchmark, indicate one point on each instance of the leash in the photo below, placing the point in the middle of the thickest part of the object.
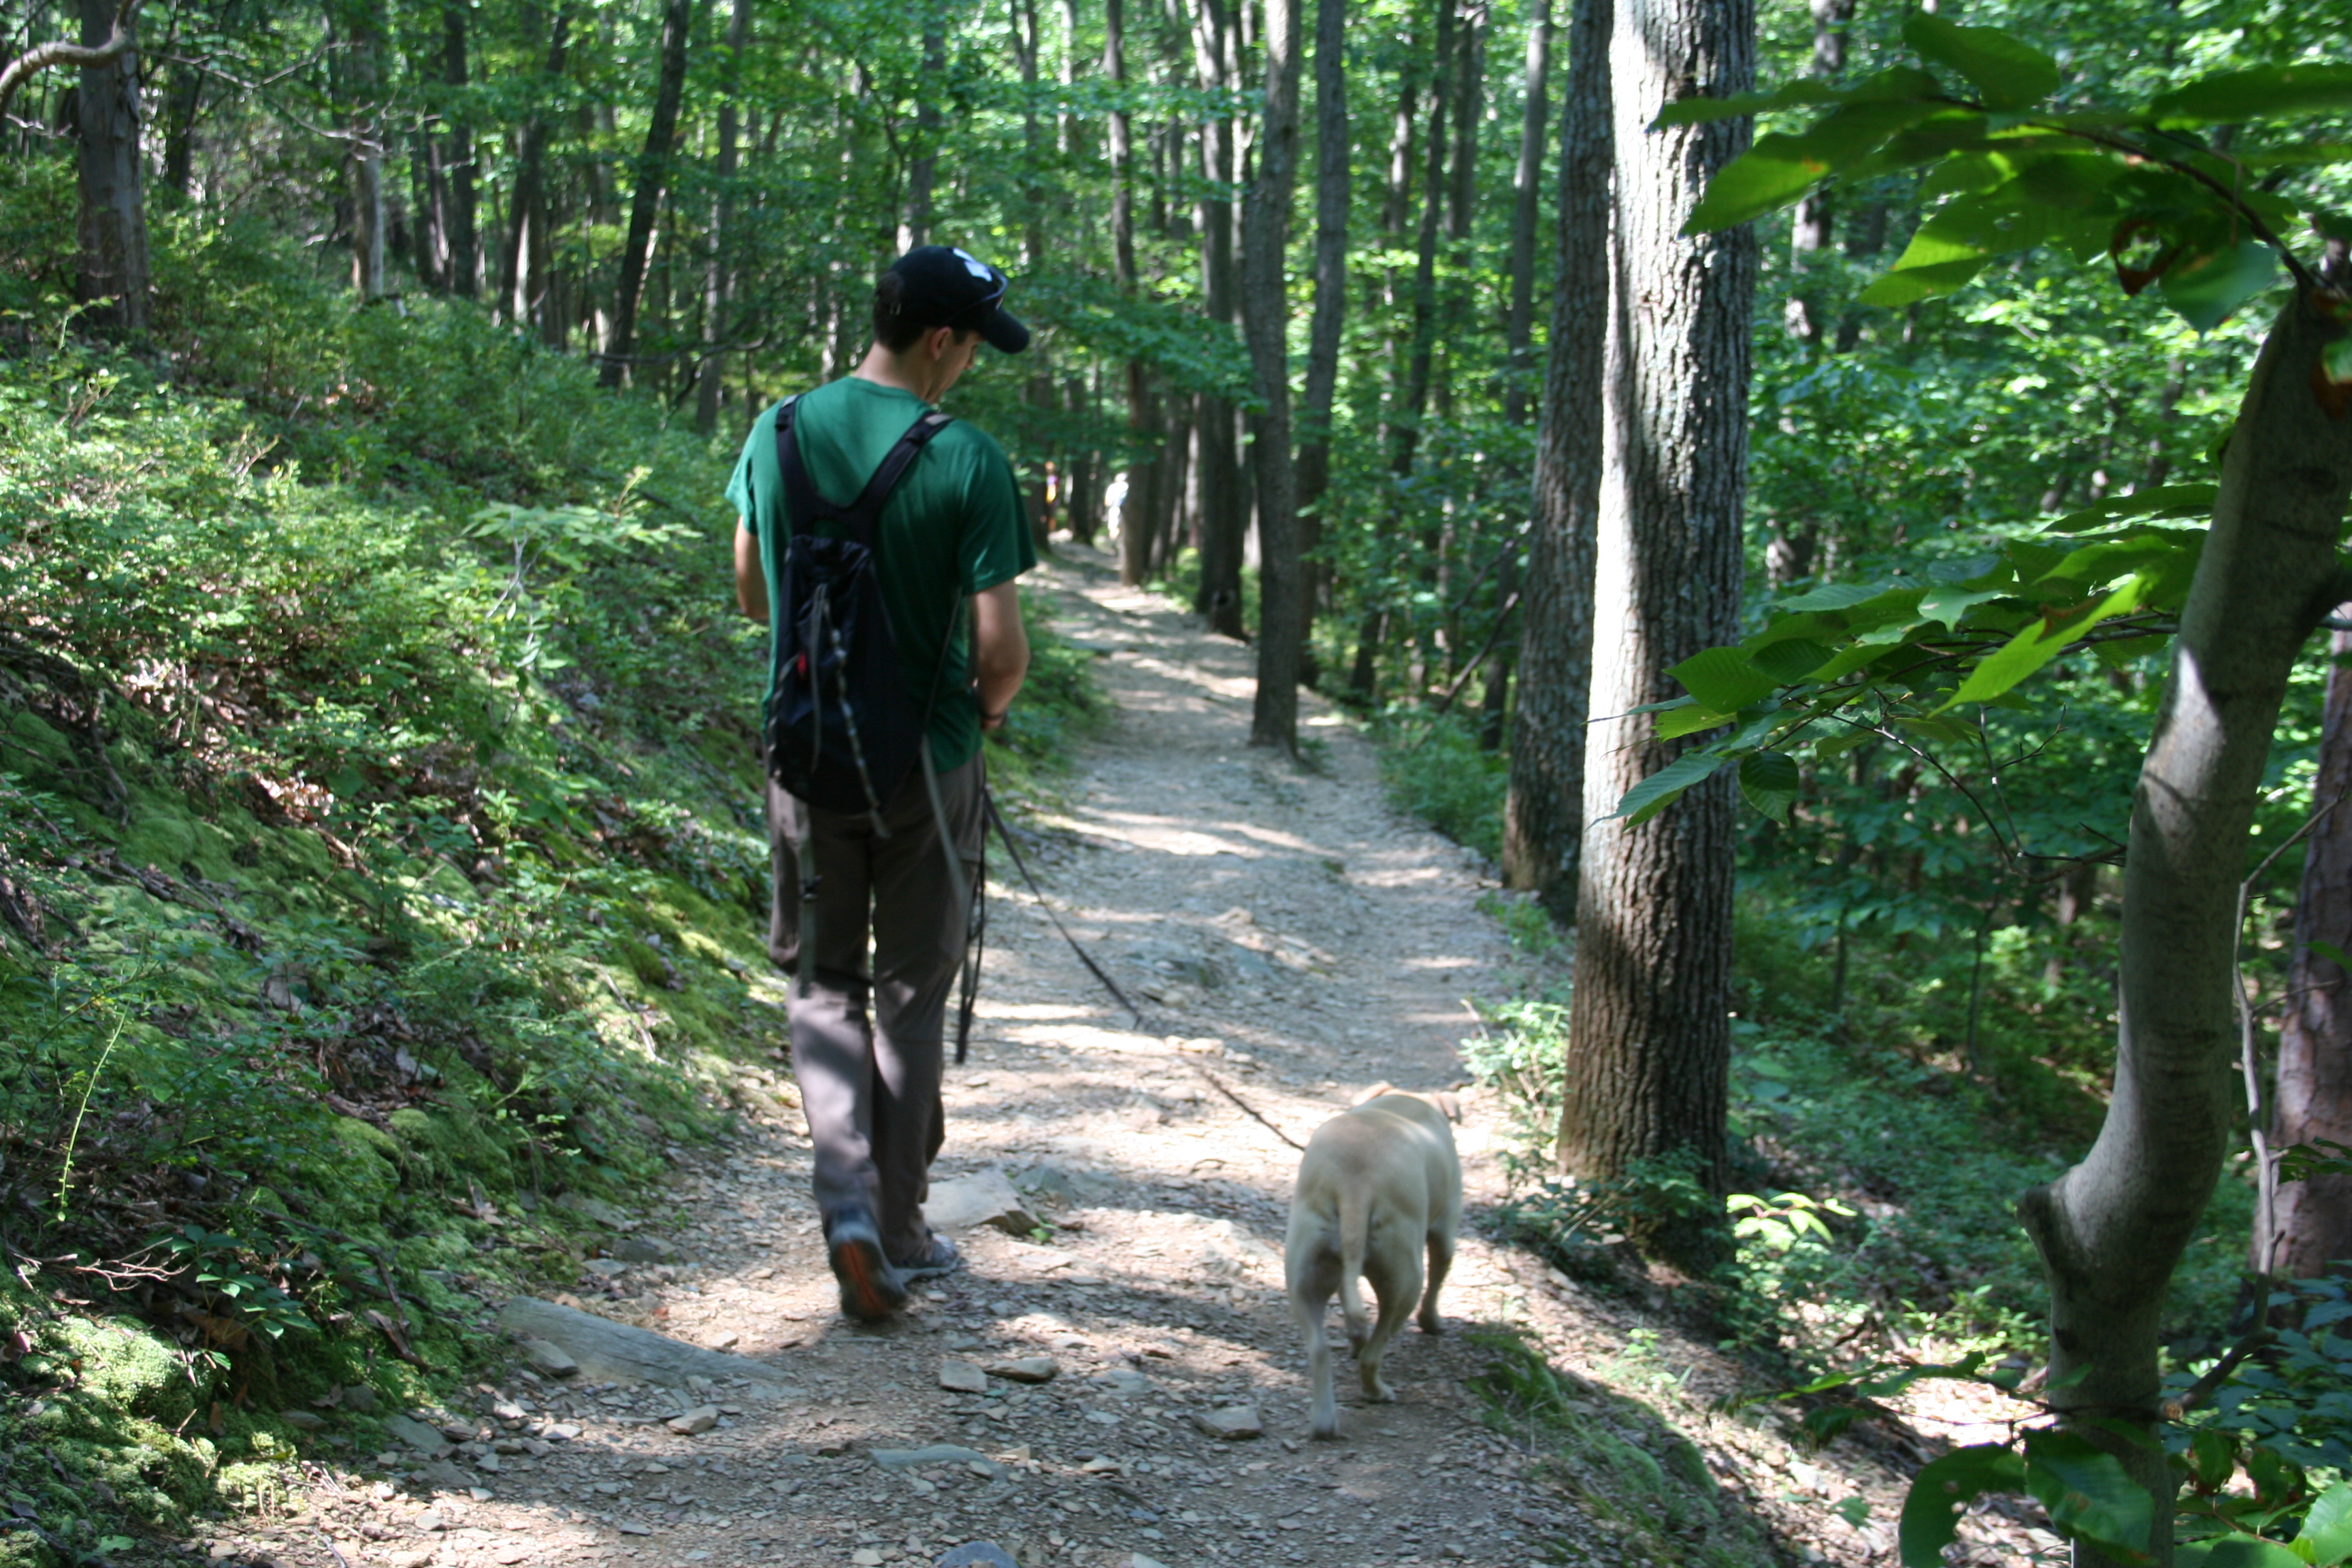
(1004, 832)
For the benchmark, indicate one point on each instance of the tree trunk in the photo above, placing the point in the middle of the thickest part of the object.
(653, 180)
(2311, 1228)
(1413, 397)
(358, 30)
(717, 281)
(1221, 523)
(531, 160)
(1526, 179)
(1543, 814)
(1331, 194)
(1141, 508)
(1649, 1043)
(1809, 235)
(2112, 1229)
(923, 172)
(111, 227)
(1282, 604)
(460, 228)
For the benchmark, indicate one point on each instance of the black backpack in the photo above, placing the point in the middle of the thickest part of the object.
(842, 730)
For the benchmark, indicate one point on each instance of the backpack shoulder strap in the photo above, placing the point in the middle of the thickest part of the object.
(862, 516)
(804, 507)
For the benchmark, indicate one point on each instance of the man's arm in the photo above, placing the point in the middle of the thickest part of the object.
(1002, 650)
(752, 580)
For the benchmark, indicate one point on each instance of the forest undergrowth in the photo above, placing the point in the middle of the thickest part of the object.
(383, 881)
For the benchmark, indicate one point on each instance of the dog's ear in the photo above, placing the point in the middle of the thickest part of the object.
(1373, 1093)
(1445, 1100)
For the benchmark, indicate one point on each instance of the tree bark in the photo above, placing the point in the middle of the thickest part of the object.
(1649, 1043)
(530, 159)
(923, 172)
(1526, 179)
(1139, 512)
(718, 282)
(1332, 191)
(111, 227)
(2312, 1227)
(1413, 397)
(460, 226)
(2112, 1229)
(653, 180)
(1810, 234)
(1282, 604)
(1543, 814)
(1221, 524)
(358, 28)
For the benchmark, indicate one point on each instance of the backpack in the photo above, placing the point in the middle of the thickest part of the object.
(841, 730)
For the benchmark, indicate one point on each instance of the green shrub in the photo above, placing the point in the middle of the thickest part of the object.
(1435, 769)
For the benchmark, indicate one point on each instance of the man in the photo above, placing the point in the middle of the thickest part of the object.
(953, 529)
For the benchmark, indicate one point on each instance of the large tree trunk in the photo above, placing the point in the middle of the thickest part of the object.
(923, 172)
(1140, 510)
(717, 281)
(357, 30)
(1649, 1043)
(653, 180)
(2112, 1229)
(459, 226)
(2311, 1225)
(1282, 605)
(1543, 814)
(112, 228)
(1527, 181)
(1221, 522)
(1413, 397)
(1332, 194)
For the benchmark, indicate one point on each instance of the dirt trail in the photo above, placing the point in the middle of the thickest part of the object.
(1293, 941)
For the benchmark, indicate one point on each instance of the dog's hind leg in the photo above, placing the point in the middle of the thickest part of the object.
(1441, 1260)
(1310, 1301)
(1397, 1283)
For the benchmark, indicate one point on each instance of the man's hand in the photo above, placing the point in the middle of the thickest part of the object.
(1001, 649)
(750, 576)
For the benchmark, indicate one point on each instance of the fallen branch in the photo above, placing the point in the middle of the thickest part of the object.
(2201, 1390)
(1219, 1085)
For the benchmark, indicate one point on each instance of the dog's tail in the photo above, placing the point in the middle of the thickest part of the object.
(1355, 1221)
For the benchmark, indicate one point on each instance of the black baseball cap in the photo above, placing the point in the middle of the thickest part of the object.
(942, 285)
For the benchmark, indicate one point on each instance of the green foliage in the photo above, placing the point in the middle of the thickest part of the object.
(1435, 769)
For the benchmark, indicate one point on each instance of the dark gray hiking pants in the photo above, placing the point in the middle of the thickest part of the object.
(869, 1082)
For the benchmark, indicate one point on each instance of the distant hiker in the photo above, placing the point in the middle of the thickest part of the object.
(878, 839)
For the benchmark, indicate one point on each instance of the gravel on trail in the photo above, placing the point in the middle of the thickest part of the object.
(1120, 1386)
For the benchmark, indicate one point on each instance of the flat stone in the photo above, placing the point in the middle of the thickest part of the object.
(725, 1340)
(930, 1454)
(1024, 1369)
(597, 1209)
(606, 1268)
(694, 1422)
(1100, 1465)
(1119, 1380)
(549, 1359)
(977, 1554)
(643, 1249)
(1137, 1560)
(442, 1476)
(408, 1559)
(359, 1399)
(561, 1432)
(489, 1464)
(631, 1527)
(303, 1420)
(510, 1555)
(428, 1522)
(987, 1198)
(867, 1557)
(607, 1352)
(1232, 1421)
(961, 1376)
(414, 1432)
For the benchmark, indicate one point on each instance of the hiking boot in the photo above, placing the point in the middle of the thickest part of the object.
(939, 1257)
(870, 1289)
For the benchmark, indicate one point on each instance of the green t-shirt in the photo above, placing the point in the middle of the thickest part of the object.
(953, 526)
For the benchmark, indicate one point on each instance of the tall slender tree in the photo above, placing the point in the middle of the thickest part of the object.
(1526, 200)
(112, 271)
(1333, 179)
(1219, 479)
(1282, 604)
(1648, 1052)
(653, 184)
(458, 222)
(1543, 814)
(717, 277)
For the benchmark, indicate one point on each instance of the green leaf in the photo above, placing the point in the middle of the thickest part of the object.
(2338, 357)
(2036, 644)
(1950, 606)
(2206, 288)
(2008, 74)
(1703, 110)
(2234, 1551)
(2333, 953)
(2272, 92)
(2164, 501)
(1831, 597)
(1790, 661)
(2212, 1460)
(1754, 183)
(1947, 732)
(2326, 1533)
(1943, 1489)
(1839, 744)
(1769, 780)
(1679, 721)
(1663, 788)
(1723, 679)
(1897, 290)
(2087, 1490)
